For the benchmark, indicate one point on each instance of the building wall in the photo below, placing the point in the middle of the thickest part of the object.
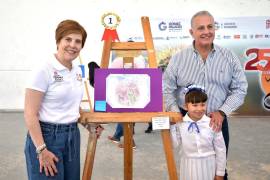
(27, 30)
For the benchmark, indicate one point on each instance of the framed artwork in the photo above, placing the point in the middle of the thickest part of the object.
(128, 90)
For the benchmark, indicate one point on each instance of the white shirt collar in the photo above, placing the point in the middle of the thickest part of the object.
(57, 65)
(186, 118)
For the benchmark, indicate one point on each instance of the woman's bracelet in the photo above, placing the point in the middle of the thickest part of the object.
(40, 148)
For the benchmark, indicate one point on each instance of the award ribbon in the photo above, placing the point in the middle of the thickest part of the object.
(110, 21)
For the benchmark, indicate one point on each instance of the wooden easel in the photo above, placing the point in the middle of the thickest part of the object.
(92, 139)
(129, 118)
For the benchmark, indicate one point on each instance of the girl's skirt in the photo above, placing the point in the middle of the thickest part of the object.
(202, 168)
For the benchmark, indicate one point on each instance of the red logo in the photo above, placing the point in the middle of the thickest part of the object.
(236, 36)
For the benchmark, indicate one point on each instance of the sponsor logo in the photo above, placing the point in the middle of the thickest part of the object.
(171, 26)
(171, 37)
(226, 25)
(217, 25)
(138, 38)
(267, 24)
(162, 26)
(226, 37)
(218, 36)
(158, 38)
(175, 26)
(258, 36)
(237, 36)
(244, 36)
(229, 25)
(185, 37)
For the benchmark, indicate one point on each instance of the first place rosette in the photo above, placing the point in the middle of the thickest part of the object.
(110, 21)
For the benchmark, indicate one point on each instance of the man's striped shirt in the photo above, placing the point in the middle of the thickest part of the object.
(220, 74)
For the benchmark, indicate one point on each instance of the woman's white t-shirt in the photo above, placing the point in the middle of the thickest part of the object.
(63, 91)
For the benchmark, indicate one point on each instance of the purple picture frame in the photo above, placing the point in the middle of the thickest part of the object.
(156, 100)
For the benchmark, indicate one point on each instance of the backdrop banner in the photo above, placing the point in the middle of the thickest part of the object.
(247, 37)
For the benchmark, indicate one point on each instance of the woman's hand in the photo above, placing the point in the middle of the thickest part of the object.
(47, 161)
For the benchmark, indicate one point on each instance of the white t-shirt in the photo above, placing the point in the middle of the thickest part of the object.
(63, 91)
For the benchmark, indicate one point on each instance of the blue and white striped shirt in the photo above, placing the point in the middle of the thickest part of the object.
(220, 74)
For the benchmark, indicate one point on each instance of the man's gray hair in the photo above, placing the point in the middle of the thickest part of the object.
(200, 13)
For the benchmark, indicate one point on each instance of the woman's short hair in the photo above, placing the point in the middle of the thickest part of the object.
(67, 27)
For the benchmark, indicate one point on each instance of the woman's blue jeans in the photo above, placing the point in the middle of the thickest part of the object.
(64, 141)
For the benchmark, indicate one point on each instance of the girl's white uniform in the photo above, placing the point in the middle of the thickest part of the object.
(202, 151)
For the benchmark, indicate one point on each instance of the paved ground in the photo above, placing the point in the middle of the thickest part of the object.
(249, 155)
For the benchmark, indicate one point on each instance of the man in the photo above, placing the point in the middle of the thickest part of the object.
(215, 68)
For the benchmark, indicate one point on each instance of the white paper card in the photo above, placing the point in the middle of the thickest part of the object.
(160, 123)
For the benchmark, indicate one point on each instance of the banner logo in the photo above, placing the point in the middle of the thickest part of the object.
(162, 26)
(267, 24)
(261, 63)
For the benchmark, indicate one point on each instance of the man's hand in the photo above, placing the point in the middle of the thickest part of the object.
(219, 177)
(216, 121)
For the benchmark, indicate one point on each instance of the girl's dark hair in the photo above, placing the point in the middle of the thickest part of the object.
(195, 96)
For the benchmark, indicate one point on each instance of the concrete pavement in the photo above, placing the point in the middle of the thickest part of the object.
(249, 153)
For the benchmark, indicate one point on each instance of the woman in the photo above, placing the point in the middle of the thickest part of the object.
(52, 104)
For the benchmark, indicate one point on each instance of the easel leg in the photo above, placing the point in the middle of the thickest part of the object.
(90, 156)
(167, 144)
(128, 150)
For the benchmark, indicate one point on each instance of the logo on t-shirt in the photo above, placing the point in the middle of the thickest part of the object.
(79, 77)
(57, 77)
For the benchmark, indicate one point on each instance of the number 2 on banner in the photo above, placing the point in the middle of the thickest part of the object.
(260, 54)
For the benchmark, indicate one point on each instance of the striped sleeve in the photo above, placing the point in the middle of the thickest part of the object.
(238, 87)
(170, 86)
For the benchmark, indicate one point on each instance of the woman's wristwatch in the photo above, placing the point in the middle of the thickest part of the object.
(41, 148)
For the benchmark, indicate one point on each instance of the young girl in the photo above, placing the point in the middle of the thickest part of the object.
(202, 151)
